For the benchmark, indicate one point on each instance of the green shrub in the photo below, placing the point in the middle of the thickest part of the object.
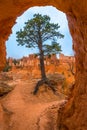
(7, 67)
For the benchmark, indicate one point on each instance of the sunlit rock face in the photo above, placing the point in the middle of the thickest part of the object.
(73, 116)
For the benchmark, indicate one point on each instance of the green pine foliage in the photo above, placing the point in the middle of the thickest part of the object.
(37, 32)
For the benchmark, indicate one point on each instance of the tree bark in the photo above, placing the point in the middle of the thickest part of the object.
(42, 67)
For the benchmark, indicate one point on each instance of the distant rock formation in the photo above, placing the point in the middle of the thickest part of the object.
(73, 115)
(33, 61)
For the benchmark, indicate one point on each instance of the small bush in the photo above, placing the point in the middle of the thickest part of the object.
(7, 67)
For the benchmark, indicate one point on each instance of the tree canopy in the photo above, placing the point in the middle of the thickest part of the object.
(39, 30)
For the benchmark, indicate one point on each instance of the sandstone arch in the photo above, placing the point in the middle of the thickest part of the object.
(74, 115)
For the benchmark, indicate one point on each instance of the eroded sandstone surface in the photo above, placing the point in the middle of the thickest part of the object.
(72, 116)
(21, 110)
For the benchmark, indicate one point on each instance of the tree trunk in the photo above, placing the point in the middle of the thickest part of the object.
(42, 67)
(44, 79)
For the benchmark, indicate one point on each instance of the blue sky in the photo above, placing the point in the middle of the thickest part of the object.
(56, 17)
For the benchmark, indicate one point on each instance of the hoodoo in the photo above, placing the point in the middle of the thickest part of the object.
(73, 115)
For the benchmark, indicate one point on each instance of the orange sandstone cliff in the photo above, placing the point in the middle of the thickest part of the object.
(73, 115)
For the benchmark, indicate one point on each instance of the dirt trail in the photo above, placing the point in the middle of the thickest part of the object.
(28, 112)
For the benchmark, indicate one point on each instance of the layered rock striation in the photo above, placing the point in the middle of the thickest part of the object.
(73, 115)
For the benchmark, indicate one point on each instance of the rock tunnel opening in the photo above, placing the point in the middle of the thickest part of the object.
(19, 56)
(77, 19)
(56, 16)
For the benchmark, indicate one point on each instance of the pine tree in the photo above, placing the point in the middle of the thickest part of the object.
(35, 34)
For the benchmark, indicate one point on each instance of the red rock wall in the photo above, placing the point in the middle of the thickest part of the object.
(74, 114)
(2, 54)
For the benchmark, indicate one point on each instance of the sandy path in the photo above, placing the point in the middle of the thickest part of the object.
(26, 110)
